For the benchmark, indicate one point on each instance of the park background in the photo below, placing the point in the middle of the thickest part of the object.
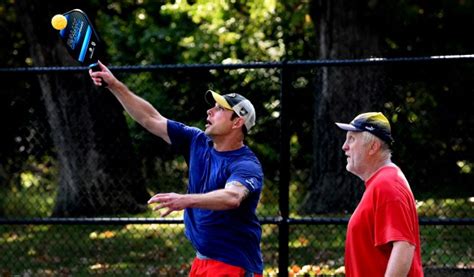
(75, 171)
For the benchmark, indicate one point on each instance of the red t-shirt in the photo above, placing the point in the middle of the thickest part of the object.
(386, 213)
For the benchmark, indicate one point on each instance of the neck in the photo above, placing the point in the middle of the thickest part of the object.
(227, 144)
(375, 166)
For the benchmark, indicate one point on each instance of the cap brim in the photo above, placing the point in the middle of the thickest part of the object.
(219, 99)
(347, 127)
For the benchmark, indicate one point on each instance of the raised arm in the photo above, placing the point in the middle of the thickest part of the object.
(138, 108)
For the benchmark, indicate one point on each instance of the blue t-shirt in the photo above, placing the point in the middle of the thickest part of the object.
(230, 236)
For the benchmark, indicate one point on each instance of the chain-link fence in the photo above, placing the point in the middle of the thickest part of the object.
(76, 173)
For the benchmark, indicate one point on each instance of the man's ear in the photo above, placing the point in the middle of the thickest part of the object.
(238, 123)
(375, 146)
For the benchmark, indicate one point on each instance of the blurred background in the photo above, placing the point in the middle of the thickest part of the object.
(76, 171)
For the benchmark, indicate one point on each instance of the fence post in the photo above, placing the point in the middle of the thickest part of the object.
(283, 227)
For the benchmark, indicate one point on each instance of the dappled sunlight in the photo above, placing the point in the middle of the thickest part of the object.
(444, 208)
(12, 237)
(465, 167)
(102, 235)
(301, 241)
(98, 267)
(308, 270)
(156, 228)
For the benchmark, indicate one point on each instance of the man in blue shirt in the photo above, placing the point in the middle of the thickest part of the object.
(225, 179)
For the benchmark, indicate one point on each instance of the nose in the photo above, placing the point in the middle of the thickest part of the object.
(345, 146)
(209, 111)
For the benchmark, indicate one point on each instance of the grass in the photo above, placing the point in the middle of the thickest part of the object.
(85, 250)
(151, 249)
(162, 249)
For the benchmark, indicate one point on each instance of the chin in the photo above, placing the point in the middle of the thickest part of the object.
(349, 168)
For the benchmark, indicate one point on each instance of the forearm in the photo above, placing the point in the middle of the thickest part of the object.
(222, 199)
(141, 110)
(401, 259)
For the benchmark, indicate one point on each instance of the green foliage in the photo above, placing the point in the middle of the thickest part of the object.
(34, 186)
(226, 32)
(204, 31)
(414, 28)
(446, 208)
(426, 110)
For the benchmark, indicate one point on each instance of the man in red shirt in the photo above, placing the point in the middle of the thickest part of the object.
(383, 237)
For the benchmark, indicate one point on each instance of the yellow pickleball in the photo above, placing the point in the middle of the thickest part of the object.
(59, 22)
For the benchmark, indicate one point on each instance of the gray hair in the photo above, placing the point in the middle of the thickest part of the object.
(384, 148)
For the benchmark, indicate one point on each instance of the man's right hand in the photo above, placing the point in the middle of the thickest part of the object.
(104, 75)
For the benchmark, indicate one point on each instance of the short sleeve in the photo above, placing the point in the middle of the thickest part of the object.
(393, 222)
(248, 173)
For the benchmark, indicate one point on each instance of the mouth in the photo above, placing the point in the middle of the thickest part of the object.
(208, 123)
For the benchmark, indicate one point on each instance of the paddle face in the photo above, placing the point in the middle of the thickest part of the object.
(80, 38)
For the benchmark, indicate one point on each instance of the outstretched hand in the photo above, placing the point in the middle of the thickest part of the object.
(102, 76)
(172, 201)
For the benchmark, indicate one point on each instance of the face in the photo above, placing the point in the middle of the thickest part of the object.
(357, 152)
(219, 121)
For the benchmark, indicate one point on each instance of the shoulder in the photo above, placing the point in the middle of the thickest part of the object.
(246, 157)
(390, 183)
(178, 126)
(248, 172)
(385, 175)
(178, 131)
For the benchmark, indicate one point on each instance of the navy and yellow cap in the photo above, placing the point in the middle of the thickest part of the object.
(373, 122)
(236, 102)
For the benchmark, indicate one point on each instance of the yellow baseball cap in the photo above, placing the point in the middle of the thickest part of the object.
(236, 102)
(373, 122)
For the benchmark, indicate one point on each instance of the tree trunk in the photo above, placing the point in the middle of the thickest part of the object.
(98, 173)
(345, 31)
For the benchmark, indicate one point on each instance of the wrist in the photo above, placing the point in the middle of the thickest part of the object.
(190, 200)
(117, 87)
